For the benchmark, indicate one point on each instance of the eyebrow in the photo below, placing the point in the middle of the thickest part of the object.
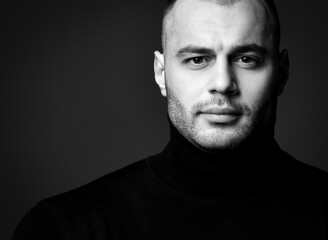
(238, 49)
(251, 47)
(194, 49)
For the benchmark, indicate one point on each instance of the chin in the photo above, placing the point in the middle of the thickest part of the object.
(221, 139)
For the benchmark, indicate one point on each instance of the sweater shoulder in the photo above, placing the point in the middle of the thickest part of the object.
(103, 201)
(303, 177)
(301, 168)
(112, 187)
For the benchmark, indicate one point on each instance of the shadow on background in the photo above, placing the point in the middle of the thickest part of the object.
(79, 99)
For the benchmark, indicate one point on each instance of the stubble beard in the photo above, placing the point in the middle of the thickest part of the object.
(219, 138)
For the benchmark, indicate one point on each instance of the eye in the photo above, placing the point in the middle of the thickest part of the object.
(248, 61)
(198, 62)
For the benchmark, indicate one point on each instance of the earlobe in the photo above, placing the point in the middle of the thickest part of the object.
(159, 72)
(283, 70)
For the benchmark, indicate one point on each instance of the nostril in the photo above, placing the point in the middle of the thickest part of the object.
(225, 85)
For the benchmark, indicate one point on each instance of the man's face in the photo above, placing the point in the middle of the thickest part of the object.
(219, 72)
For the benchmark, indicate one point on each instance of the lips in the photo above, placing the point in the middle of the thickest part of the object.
(220, 111)
(221, 115)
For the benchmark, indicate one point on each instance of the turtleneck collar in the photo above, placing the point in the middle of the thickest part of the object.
(240, 173)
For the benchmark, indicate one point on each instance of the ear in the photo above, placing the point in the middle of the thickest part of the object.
(283, 70)
(159, 71)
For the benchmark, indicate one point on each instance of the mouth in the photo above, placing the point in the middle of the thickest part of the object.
(221, 115)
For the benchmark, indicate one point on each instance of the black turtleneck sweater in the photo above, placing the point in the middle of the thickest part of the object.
(254, 192)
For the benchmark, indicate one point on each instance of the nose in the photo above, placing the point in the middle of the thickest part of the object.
(222, 79)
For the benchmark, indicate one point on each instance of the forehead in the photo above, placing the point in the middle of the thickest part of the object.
(207, 22)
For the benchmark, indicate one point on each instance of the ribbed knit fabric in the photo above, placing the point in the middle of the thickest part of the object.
(237, 174)
(257, 193)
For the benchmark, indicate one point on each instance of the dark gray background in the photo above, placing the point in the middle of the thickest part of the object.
(78, 97)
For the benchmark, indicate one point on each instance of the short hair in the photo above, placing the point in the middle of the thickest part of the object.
(269, 7)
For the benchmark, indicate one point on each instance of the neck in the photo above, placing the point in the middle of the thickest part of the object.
(244, 171)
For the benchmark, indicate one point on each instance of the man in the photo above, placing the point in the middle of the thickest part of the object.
(222, 175)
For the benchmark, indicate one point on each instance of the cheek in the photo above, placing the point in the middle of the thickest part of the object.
(256, 88)
(186, 86)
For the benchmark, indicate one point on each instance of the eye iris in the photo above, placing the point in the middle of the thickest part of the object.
(197, 60)
(246, 59)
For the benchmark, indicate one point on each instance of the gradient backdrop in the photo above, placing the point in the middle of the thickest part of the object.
(78, 97)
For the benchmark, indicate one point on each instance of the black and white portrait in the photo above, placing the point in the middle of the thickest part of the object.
(178, 119)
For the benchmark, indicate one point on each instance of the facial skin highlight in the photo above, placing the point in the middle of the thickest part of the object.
(221, 73)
